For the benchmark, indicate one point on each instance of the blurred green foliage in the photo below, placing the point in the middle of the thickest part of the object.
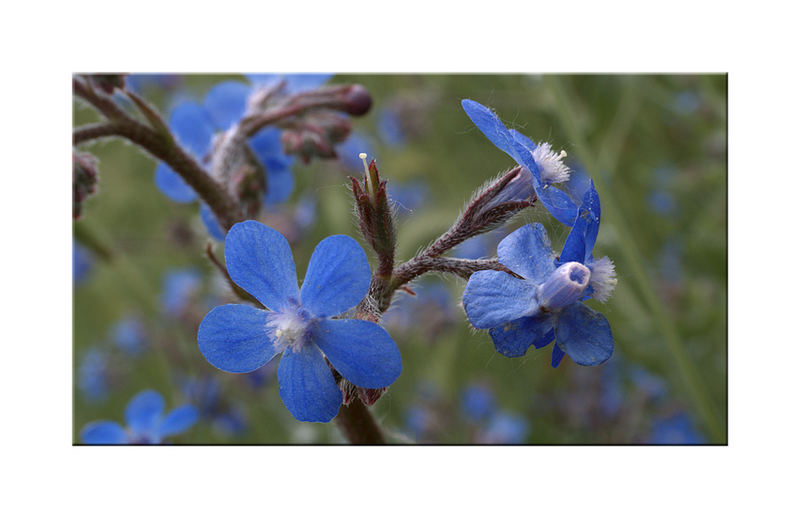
(656, 147)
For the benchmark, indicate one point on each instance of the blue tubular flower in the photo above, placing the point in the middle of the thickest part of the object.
(544, 166)
(299, 324)
(545, 304)
(145, 422)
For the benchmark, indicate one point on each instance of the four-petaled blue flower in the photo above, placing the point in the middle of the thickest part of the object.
(545, 166)
(299, 324)
(545, 304)
(145, 422)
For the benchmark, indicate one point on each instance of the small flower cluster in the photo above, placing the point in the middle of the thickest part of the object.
(543, 301)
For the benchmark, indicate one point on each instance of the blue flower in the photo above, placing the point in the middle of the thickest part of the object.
(409, 196)
(677, 429)
(349, 150)
(477, 402)
(299, 324)
(390, 128)
(504, 428)
(180, 285)
(544, 166)
(545, 304)
(196, 125)
(93, 375)
(129, 335)
(145, 422)
(81, 263)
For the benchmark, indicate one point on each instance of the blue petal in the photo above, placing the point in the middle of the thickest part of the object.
(234, 338)
(585, 335)
(527, 252)
(492, 127)
(172, 185)
(104, 432)
(558, 204)
(558, 355)
(178, 421)
(337, 278)
(144, 411)
(580, 241)
(514, 338)
(267, 143)
(522, 139)
(194, 129)
(260, 261)
(494, 298)
(307, 387)
(362, 352)
(577, 184)
(211, 223)
(226, 103)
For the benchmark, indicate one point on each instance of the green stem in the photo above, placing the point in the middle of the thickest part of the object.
(694, 386)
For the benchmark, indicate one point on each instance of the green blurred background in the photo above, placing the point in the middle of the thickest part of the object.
(656, 148)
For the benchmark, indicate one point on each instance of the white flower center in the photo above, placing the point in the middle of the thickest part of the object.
(551, 165)
(288, 328)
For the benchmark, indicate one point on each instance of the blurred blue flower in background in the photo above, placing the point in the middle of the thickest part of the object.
(409, 196)
(429, 311)
(686, 102)
(129, 335)
(140, 83)
(477, 402)
(504, 428)
(81, 263)
(390, 128)
(93, 375)
(206, 395)
(420, 421)
(676, 429)
(239, 338)
(480, 246)
(179, 288)
(349, 150)
(145, 422)
(196, 125)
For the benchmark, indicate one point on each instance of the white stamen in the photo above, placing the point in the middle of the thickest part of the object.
(363, 157)
(289, 330)
(551, 167)
(604, 279)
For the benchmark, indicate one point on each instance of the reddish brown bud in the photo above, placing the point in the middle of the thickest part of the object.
(357, 100)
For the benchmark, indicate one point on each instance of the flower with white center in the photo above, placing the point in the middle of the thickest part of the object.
(545, 304)
(299, 325)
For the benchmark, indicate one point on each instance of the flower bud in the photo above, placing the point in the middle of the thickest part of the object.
(84, 180)
(564, 286)
(356, 100)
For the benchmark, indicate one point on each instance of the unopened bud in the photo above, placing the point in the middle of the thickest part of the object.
(357, 100)
(564, 286)
(84, 180)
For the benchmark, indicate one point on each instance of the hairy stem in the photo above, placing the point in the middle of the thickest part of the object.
(357, 424)
(161, 147)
